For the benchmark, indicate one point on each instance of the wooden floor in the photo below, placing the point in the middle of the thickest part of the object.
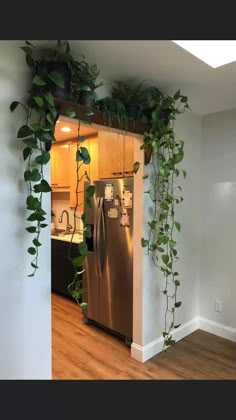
(81, 351)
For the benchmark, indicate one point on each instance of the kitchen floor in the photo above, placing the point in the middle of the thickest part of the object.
(81, 351)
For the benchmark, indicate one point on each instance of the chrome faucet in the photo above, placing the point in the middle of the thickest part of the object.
(68, 226)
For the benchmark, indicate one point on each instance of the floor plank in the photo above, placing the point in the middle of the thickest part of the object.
(81, 351)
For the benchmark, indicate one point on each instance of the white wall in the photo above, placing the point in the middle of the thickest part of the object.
(25, 307)
(189, 128)
(218, 260)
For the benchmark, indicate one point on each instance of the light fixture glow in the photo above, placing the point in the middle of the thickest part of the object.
(66, 129)
(213, 53)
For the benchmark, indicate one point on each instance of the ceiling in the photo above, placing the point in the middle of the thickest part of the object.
(165, 65)
(73, 125)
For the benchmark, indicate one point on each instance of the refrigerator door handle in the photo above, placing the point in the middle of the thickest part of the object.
(95, 237)
(100, 247)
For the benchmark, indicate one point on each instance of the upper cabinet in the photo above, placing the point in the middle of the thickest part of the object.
(115, 152)
(60, 166)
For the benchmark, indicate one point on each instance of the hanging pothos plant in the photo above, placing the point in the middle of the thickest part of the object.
(166, 154)
(37, 135)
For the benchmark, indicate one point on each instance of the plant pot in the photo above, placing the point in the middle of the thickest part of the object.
(86, 99)
(132, 111)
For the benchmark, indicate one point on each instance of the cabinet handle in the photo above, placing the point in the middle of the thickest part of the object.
(54, 184)
(128, 172)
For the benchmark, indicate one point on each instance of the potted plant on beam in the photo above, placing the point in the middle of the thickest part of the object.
(133, 96)
(84, 83)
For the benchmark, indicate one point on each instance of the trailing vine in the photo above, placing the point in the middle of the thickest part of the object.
(37, 134)
(82, 158)
(166, 153)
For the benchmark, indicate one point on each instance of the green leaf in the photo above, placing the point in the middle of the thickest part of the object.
(43, 159)
(49, 98)
(164, 170)
(32, 217)
(43, 225)
(88, 113)
(36, 242)
(85, 88)
(33, 203)
(70, 112)
(184, 99)
(177, 158)
(34, 265)
(160, 249)
(177, 283)
(83, 249)
(164, 334)
(14, 105)
(145, 176)
(39, 101)
(27, 50)
(26, 152)
(176, 95)
(90, 191)
(42, 187)
(184, 173)
(165, 258)
(82, 138)
(83, 305)
(32, 250)
(152, 224)
(56, 78)
(177, 326)
(83, 218)
(86, 121)
(31, 142)
(49, 118)
(178, 304)
(33, 176)
(164, 205)
(38, 81)
(144, 242)
(172, 243)
(24, 131)
(178, 226)
(31, 229)
(169, 342)
(85, 154)
(136, 167)
(79, 261)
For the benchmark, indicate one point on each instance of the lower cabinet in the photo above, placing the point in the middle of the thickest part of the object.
(62, 269)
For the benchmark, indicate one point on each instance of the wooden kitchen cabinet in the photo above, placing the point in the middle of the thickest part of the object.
(128, 155)
(60, 166)
(115, 151)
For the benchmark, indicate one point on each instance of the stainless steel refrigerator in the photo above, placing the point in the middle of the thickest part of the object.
(108, 278)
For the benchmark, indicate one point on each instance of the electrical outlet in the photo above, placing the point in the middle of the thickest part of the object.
(218, 305)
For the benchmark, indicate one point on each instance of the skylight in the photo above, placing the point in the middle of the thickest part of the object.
(213, 53)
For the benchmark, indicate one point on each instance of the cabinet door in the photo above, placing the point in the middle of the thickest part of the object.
(60, 166)
(110, 155)
(128, 156)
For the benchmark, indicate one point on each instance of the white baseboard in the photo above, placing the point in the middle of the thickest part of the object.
(218, 329)
(142, 354)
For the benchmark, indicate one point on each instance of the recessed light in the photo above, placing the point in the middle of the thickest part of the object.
(213, 53)
(58, 121)
(66, 129)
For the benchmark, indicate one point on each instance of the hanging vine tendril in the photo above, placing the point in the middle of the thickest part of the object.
(166, 153)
